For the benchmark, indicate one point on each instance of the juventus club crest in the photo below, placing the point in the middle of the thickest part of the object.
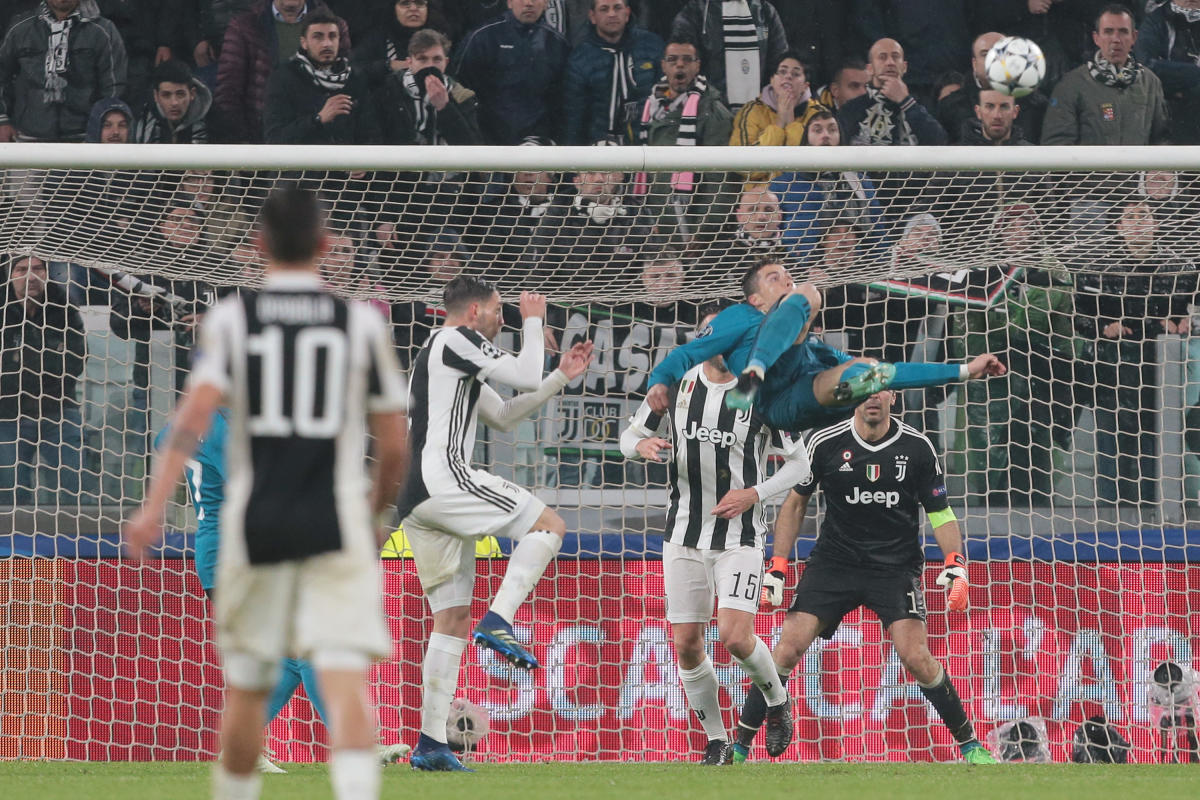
(872, 472)
(901, 467)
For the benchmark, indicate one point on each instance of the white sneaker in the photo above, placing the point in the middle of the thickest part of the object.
(268, 767)
(391, 753)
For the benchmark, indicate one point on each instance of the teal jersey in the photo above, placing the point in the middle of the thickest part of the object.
(205, 472)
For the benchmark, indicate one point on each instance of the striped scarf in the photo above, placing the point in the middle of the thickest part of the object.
(743, 72)
(331, 79)
(58, 55)
(622, 79)
(658, 105)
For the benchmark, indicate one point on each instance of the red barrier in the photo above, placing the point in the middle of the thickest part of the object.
(1060, 641)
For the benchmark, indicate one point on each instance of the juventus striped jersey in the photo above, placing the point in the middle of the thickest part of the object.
(300, 369)
(715, 449)
(445, 391)
(873, 493)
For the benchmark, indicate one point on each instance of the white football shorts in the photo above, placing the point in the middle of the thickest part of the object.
(692, 577)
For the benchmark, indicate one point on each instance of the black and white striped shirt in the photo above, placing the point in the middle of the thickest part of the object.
(301, 369)
(715, 449)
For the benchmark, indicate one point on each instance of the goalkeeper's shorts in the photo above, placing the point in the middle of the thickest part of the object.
(830, 591)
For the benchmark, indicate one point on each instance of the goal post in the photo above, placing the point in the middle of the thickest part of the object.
(1076, 477)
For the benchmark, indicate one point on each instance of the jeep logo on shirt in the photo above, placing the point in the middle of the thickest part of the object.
(718, 437)
(887, 499)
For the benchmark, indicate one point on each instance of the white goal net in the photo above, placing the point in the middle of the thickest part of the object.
(1076, 476)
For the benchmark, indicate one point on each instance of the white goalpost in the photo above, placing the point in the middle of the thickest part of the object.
(1077, 477)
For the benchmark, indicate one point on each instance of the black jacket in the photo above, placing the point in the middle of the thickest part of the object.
(957, 109)
(294, 100)
(394, 115)
(41, 355)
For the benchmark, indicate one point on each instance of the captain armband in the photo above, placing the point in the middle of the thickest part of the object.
(940, 518)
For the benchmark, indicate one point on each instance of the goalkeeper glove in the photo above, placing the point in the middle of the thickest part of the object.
(954, 578)
(772, 583)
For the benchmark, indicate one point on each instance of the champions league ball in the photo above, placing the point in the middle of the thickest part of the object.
(466, 726)
(1015, 66)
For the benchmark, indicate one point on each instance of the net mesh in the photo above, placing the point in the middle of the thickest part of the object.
(1075, 475)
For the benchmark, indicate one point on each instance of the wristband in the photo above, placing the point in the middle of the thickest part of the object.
(778, 564)
(956, 560)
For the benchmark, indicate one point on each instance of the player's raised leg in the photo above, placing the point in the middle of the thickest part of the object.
(533, 553)
(910, 639)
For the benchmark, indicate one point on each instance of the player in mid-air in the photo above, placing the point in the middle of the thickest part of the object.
(447, 503)
(715, 530)
(875, 473)
(805, 383)
(204, 476)
(305, 375)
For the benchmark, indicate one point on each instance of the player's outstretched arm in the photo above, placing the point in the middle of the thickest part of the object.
(723, 334)
(953, 576)
(523, 372)
(505, 414)
(986, 365)
(192, 420)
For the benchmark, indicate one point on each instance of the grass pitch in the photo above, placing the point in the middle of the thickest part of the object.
(621, 781)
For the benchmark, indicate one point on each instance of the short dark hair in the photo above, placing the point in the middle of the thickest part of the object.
(710, 307)
(1114, 8)
(170, 71)
(463, 290)
(794, 55)
(592, 5)
(427, 39)
(292, 224)
(320, 18)
(849, 63)
(750, 278)
(682, 40)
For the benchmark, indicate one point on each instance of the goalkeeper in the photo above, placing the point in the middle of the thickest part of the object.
(875, 472)
(205, 473)
(805, 383)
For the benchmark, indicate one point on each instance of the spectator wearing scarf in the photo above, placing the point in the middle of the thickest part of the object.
(767, 122)
(738, 40)
(384, 50)
(316, 98)
(54, 65)
(1112, 99)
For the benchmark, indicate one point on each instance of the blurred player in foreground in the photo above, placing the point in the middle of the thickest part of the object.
(304, 374)
(875, 473)
(715, 530)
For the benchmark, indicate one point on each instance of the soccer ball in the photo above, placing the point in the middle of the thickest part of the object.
(466, 725)
(1015, 66)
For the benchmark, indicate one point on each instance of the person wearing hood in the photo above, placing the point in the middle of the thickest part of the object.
(384, 51)
(1166, 43)
(109, 122)
(738, 42)
(780, 114)
(54, 64)
(177, 110)
(516, 64)
(1111, 100)
(316, 97)
(615, 63)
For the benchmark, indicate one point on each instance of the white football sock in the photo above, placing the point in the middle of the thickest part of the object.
(529, 560)
(439, 681)
(761, 668)
(355, 774)
(227, 786)
(702, 690)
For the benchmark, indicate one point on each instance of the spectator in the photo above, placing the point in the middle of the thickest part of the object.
(177, 110)
(816, 30)
(421, 104)
(759, 225)
(1063, 29)
(1166, 43)
(615, 63)
(780, 114)
(255, 43)
(683, 110)
(1142, 292)
(737, 42)
(956, 110)
(152, 32)
(934, 32)
(54, 64)
(516, 66)
(1112, 99)
(109, 122)
(205, 30)
(849, 82)
(42, 349)
(317, 97)
(812, 202)
(1013, 425)
(384, 50)
(887, 114)
(994, 123)
(507, 216)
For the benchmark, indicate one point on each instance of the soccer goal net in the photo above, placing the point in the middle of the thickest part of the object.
(1075, 476)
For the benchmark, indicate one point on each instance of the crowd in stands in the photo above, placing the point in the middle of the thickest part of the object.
(659, 72)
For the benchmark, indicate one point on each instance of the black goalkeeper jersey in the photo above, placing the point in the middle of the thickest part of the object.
(872, 494)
